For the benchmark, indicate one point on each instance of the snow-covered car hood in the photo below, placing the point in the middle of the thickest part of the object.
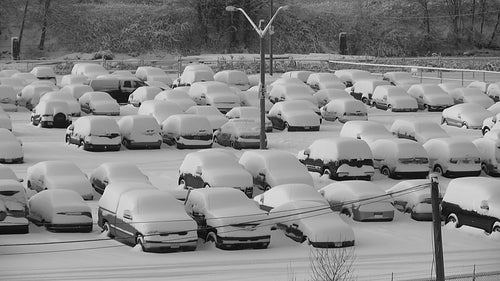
(402, 102)
(474, 118)
(438, 99)
(301, 118)
(227, 177)
(11, 150)
(104, 106)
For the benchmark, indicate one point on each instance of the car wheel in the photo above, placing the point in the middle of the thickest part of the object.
(206, 185)
(235, 145)
(326, 171)
(139, 240)
(66, 139)
(452, 218)
(438, 170)
(365, 101)
(465, 126)
(262, 246)
(82, 144)
(267, 188)
(346, 212)
(496, 228)
(426, 107)
(106, 229)
(485, 130)
(182, 183)
(386, 171)
(485, 169)
(374, 104)
(216, 140)
(286, 126)
(443, 121)
(389, 107)
(28, 184)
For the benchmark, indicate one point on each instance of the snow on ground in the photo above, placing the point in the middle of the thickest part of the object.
(403, 246)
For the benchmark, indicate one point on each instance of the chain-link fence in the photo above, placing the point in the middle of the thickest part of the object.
(483, 276)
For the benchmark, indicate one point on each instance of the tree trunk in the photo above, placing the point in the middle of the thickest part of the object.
(483, 16)
(473, 12)
(22, 23)
(494, 31)
(44, 25)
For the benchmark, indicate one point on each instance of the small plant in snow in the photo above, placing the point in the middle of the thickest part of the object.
(332, 264)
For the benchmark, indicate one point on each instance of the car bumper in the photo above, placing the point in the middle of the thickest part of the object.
(11, 160)
(404, 109)
(456, 174)
(411, 175)
(243, 242)
(14, 229)
(373, 216)
(144, 145)
(69, 227)
(303, 128)
(332, 244)
(102, 147)
(162, 247)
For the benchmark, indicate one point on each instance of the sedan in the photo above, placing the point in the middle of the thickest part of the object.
(60, 210)
(239, 133)
(465, 115)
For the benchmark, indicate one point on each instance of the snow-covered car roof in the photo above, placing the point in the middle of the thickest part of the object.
(52, 107)
(94, 96)
(411, 191)
(138, 123)
(58, 198)
(72, 79)
(389, 90)
(7, 94)
(96, 125)
(347, 191)
(285, 193)
(8, 72)
(473, 110)
(148, 203)
(369, 85)
(452, 147)
(145, 93)
(363, 129)
(113, 191)
(226, 198)
(161, 110)
(193, 76)
(7, 173)
(76, 90)
(450, 86)
(322, 77)
(346, 105)
(481, 85)
(198, 66)
(26, 76)
(332, 149)
(186, 123)
(302, 75)
(121, 170)
(142, 72)
(349, 75)
(235, 77)
(43, 72)
(397, 148)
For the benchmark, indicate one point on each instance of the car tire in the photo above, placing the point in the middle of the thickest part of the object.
(426, 107)
(216, 140)
(82, 144)
(346, 212)
(443, 121)
(485, 168)
(438, 169)
(206, 185)
(326, 171)
(267, 187)
(106, 229)
(286, 126)
(365, 101)
(386, 171)
(452, 218)
(182, 182)
(465, 126)
(139, 240)
(485, 130)
(261, 246)
(496, 228)
(28, 184)
(374, 104)
(66, 139)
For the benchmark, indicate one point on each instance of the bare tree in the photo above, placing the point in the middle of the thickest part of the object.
(44, 24)
(22, 22)
(493, 34)
(332, 264)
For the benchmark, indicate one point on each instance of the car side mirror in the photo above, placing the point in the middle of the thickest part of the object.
(198, 171)
(127, 215)
(484, 205)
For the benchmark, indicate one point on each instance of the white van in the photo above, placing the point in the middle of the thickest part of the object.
(340, 158)
(489, 151)
(453, 157)
(187, 131)
(140, 131)
(473, 201)
(164, 225)
(95, 133)
(400, 158)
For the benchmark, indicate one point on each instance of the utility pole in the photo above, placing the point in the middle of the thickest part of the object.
(436, 223)
(271, 39)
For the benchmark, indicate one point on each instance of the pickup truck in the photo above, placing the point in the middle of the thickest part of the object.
(118, 88)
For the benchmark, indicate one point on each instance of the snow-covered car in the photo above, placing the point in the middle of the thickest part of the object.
(58, 174)
(465, 115)
(114, 172)
(327, 95)
(283, 81)
(187, 131)
(233, 78)
(400, 158)
(448, 87)
(417, 130)
(361, 200)
(214, 93)
(214, 168)
(344, 109)
(288, 92)
(493, 91)
(160, 110)
(51, 114)
(414, 197)
(95, 133)
(31, 93)
(453, 157)
(8, 98)
(270, 168)
(8, 72)
(481, 85)
(368, 131)
(324, 80)
(190, 77)
(251, 97)
(339, 158)
(302, 75)
(304, 215)
(151, 73)
(71, 79)
(76, 90)
(493, 134)
(294, 115)
(14, 200)
(351, 76)
(228, 218)
(363, 90)
(393, 98)
(60, 210)
(6, 173)
(140, 132)
(249, 112)
(153, 219)
(11, 150)
(401, 79)
(430, 97)
(490, 122)
(5, 121)
(99, 103)
(473, 201)
(254, 79)
(17, 83)
(489, 152)
(239, 133)
(73, 105)
(44, 73)
(143, 94)
(214, 116)
(177, 95)
(471, 95)
(28, 77)
(89, 70)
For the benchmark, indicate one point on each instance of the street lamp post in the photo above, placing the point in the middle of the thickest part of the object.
(262, 89)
